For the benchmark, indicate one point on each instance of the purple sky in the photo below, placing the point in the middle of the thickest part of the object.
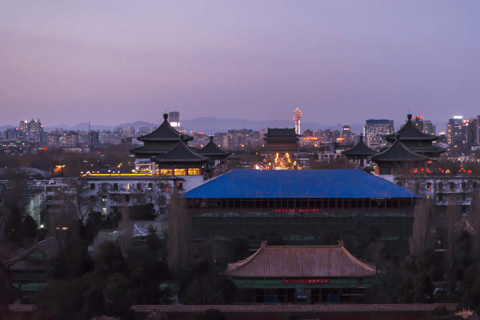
(114, 61)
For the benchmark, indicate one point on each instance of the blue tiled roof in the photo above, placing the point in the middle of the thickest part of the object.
(341, 183)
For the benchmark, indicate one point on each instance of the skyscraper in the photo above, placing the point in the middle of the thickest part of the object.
(455, 131)
(376, 130)
(174, 119)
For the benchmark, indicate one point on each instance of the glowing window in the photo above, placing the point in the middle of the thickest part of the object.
(180, 172)
(127, 186)
(166, 172)
(193, 172)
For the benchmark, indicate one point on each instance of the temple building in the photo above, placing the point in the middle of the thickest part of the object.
(303, 275)
(281, 140)
(299, 205)
(280, 147)
(416, 141)
(397, 159)
(158, 142)
(360, 154)
(215, 155)
(182, 161)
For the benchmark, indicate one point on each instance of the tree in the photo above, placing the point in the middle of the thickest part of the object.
(203, 283)
(109, 260)
(29, 230)
(152, 242)
(272, 237)
(179, 233)
(14, 226)
(147, 272)
(93, 225)
(328, 238)
(238, 249)
(421, 237)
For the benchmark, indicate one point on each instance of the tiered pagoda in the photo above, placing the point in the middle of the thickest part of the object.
(281, 140)
(360, 153)
(397, 156)
(163, 139)
(213, 152)
(417, 141)
(180, 161)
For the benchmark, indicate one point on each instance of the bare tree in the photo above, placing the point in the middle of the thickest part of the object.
(179, 233)
(82, 199)
(421, 238)
(452, 232)
(475, 224)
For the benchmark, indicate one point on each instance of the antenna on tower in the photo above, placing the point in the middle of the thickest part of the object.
(89, 126)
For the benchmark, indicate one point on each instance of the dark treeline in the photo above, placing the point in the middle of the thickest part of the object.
(441, 264)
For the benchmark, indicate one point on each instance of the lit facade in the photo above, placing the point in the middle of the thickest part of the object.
(174, 119)
(455, 131)
(376, 130)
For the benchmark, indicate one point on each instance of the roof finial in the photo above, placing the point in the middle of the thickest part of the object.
(165, 116)
(211, 138)
(361, 136)
(397, 136)
(409, 116)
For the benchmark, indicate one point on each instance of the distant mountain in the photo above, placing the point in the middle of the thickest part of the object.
(3, 128)
(212, 125)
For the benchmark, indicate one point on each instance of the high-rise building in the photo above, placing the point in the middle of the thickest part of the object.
(376, 130)
(130, 132)
(298, 115)
(118, 131)
(143, 131)
(418, 122)
(469, 131)
(454, 134)
(477, 130)
(429, 128)
(174, 119)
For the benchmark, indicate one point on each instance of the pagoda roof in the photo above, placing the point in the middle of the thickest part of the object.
(313, 184)
(152, 150)
(212, 150)
(360, 149)
(181, 153)
(301, 262)
(164, 133)
(410, 132)
(281, 134)
(398, 153)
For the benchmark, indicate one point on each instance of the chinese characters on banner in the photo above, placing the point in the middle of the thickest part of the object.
(306, 281)
(296, 210)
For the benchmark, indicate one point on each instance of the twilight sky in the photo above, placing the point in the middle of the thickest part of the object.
(115, 61)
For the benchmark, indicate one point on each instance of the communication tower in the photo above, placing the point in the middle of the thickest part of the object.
(297, 120)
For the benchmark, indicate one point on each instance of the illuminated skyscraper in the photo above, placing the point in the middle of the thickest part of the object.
(376, 130)
(297, 120)
(174, 119)
(455, 131)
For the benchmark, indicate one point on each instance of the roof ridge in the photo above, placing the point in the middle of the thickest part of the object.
(357, 261)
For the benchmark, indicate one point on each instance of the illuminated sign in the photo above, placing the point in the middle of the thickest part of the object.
(175, 124)
(457, 117)
(306, 280)
(296, 210)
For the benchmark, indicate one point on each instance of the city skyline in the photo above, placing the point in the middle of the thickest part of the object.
(336, 61)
